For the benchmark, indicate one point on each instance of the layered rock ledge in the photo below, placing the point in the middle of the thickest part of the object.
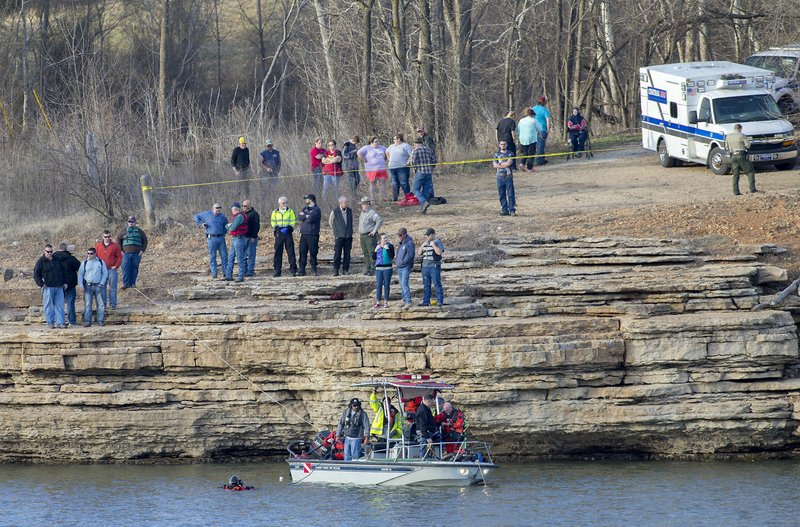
(559, 346)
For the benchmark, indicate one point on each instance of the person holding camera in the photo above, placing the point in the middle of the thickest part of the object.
(283, 221)
(384, 256)
(431, 251)
(505, 179)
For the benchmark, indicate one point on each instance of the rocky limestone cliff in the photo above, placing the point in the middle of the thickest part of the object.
(558, 347)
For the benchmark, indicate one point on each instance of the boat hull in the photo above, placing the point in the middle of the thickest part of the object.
(394, 473)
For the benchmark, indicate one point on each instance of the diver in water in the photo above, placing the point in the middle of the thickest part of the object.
(235, 483)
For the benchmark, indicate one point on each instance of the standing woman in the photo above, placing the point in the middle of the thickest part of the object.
(399, 171)
(505, 132)
(373, 155)
(331, 170)
(384, 255)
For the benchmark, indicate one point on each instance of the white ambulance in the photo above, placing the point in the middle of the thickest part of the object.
(687, 109)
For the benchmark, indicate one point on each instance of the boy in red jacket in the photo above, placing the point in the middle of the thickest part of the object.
(111, 254)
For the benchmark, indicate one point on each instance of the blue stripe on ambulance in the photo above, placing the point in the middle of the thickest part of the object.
(681, 129)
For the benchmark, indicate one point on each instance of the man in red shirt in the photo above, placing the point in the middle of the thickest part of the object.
(317, 154)
(108, 251)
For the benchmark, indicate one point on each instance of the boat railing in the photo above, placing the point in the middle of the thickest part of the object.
(457, 451)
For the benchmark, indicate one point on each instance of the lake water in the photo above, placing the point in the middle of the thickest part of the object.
(765, 493)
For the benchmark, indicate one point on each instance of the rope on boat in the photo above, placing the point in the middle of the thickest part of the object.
(228, 364)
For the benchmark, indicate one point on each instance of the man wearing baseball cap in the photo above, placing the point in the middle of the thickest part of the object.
(270, 164)
(309, 218)
(354, 427)
(133, 241)
(431, 251)
(237, 228)
(240, 161)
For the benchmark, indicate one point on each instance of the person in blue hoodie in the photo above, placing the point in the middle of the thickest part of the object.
(213, 221)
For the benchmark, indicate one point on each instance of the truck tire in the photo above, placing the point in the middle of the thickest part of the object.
(716, 162)
(787, 106)
(664, 157)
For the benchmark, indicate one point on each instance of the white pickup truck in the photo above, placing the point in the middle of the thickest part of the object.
(783, 62)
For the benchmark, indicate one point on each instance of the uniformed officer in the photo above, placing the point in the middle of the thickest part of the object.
(737, 144)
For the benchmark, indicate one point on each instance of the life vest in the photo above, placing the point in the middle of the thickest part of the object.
(133, 236)
(377, 428)
(241, 230)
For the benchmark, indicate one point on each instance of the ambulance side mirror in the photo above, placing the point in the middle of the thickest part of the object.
(692, 117)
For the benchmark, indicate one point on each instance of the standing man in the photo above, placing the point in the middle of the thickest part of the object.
(251, 238)
(528, 131)
(214, 221)
(283, 221)
(270, 164)
(354, 427)
(111, 254)
(426, 139)
(133, 241)
(237, 228)
(317, 154)
(49, 275)
(405, 264)
(431, 251)
(369, 223)
(423, 159)
(341, 221)
(426, 426)
(309, 218)
(70, 265)
(505, 132)
(543, 118)
(350, 163)
(240, 161)
(505, 180)
(92, 277)
(737, 144)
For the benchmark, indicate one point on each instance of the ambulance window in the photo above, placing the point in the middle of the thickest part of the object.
(673, 109)
(705, 111)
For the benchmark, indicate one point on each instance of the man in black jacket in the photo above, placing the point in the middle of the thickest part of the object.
(251, 238)
(49, 275)
(70, 266)
(341, 221)
(309, 218)
(426, 426)
(240, 161)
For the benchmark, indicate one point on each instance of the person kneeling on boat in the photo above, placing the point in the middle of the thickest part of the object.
(427, 429)
(454, 424)
(379, 424)
(353, 425)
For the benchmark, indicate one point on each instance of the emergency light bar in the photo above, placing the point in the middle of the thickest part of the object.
(412, 377)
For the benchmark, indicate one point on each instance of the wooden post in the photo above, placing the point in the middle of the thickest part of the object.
(147, 197)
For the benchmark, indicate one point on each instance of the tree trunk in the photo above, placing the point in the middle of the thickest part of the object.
(325, 35)
(262, 48)
(425, 88)
(398, 38)
(458, 14)
(44, 34)
(367, 117)
(162, 67)
(26, 83)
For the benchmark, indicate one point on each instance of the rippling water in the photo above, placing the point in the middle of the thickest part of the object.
(554, 493)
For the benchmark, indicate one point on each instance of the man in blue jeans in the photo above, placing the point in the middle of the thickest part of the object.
(431, 251)
(237, 228)
(405, 264)
(505, 180)
(542, 115)
(133, 241)
(92, 277)
(253, 228)
(354, 427)
(49, 275)
(214, 221)
(423, 160)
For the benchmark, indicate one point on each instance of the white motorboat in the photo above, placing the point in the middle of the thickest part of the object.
(394, 461)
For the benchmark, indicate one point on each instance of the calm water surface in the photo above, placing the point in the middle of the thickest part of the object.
(557, 493)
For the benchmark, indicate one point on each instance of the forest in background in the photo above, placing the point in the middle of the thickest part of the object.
(96, 93)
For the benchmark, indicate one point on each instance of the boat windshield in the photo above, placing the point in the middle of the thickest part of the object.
(745, 108)
(780, 66)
